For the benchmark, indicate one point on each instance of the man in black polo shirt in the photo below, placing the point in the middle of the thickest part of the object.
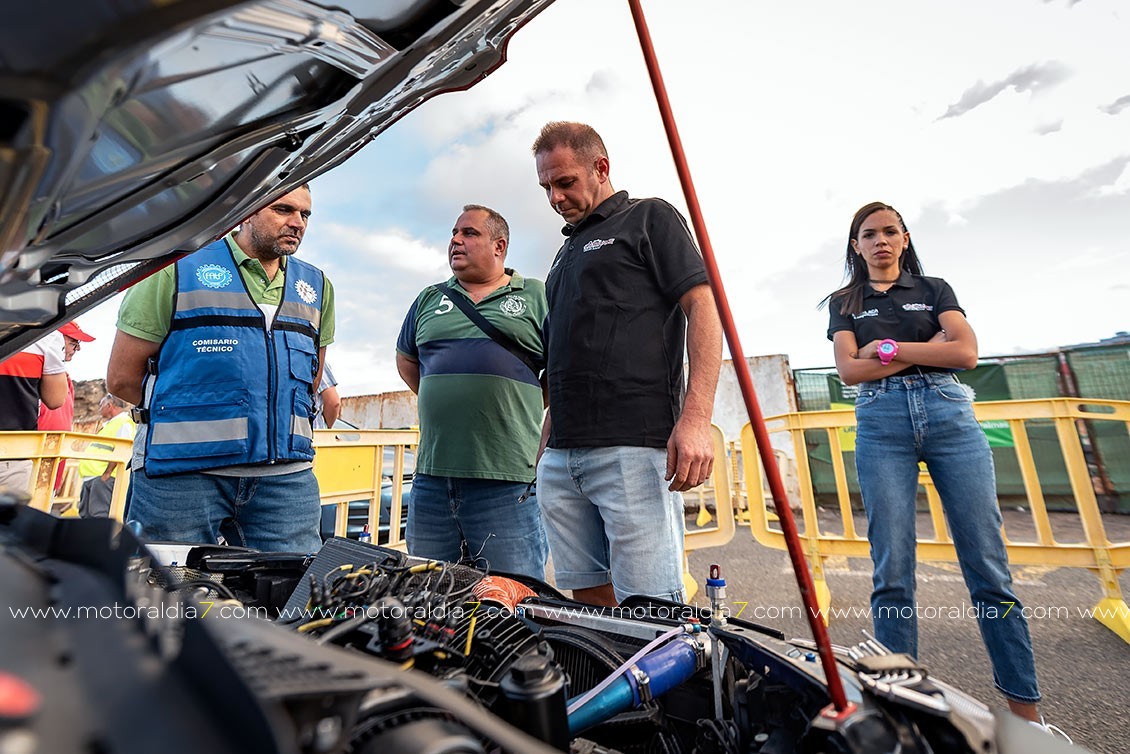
(625, 291)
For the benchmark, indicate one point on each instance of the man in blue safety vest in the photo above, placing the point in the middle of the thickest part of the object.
(222, 352)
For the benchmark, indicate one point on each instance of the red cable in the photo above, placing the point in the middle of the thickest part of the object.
(776, 487)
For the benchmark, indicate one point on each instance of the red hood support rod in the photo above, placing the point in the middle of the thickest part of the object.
(776, 487)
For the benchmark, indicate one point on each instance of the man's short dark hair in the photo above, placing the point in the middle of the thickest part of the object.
(580, 137)
(496, 223)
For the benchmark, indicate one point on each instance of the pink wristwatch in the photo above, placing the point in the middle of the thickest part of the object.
(888, 350)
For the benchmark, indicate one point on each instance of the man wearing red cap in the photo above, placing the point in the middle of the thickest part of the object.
(62, 419)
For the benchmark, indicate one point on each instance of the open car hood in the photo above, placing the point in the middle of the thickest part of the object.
(134, 132)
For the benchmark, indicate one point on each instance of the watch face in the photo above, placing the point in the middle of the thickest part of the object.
(886, 348)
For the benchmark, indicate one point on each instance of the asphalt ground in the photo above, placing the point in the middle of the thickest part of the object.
(1083, 667)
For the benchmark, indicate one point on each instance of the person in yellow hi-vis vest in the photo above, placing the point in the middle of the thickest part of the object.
(97, 481)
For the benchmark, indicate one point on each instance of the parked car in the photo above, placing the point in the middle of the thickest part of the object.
(359, 514)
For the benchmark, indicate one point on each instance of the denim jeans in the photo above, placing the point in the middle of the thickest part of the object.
(476, 520)
(929, 417)
(269, 513)
(611, 519)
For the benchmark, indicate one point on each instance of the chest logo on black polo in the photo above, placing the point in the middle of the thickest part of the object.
(512, 306)
(866, 313)
(917, 308)
(598, 243)
(305, 291)
(213, 275)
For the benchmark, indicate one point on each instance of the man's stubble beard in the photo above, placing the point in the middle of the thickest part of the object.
(269, 248)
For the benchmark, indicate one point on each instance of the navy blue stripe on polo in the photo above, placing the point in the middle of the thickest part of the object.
(472, 356)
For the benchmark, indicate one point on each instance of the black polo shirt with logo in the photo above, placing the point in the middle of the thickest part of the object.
(615, 333)
(906, 312)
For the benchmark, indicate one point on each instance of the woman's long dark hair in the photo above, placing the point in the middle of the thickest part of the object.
(850, 297)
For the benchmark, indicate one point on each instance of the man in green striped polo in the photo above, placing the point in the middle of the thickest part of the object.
(481, 404)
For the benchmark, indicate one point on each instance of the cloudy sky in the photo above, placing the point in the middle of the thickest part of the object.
(1000, 130)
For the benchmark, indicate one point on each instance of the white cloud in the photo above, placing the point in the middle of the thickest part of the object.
(1121, 184)
(381, 248)
(365, 368)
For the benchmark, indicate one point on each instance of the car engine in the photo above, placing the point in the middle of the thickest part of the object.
(363, 649)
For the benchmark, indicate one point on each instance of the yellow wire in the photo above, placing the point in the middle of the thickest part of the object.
(315, 624)
(355, 574)
(470, 633)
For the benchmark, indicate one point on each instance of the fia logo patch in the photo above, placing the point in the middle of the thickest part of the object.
(213, 276)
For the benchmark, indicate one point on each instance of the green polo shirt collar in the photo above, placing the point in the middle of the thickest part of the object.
(517, 283)
(262, 290)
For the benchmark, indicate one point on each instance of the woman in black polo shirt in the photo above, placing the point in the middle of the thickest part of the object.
(900, 336)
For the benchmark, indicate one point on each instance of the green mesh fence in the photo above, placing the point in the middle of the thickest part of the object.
(1105, 373)
(1102, 372)
(1033, 378)
(811, 389)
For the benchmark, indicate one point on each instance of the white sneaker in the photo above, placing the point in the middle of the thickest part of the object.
(1051, 730)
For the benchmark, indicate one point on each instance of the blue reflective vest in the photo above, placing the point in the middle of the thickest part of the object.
(227, 390)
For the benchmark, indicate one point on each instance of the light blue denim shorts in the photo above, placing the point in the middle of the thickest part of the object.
(610, 518)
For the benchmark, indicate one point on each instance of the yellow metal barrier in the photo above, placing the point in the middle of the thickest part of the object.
(721, 488)
(352, 465)
(1097, 554)
(67, 493)
(48, 450)
(741, 502)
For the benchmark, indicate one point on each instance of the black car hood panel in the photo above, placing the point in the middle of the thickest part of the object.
(132, 133)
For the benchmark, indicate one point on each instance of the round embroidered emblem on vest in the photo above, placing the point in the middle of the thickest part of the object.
(512, 305)
(213, 276)
(305, 291)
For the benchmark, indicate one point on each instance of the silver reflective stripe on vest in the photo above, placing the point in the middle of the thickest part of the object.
(219, 430)
(302, 311)
(300, 427)
(190, 300)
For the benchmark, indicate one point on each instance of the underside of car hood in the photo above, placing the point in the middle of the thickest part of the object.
(132, 133)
